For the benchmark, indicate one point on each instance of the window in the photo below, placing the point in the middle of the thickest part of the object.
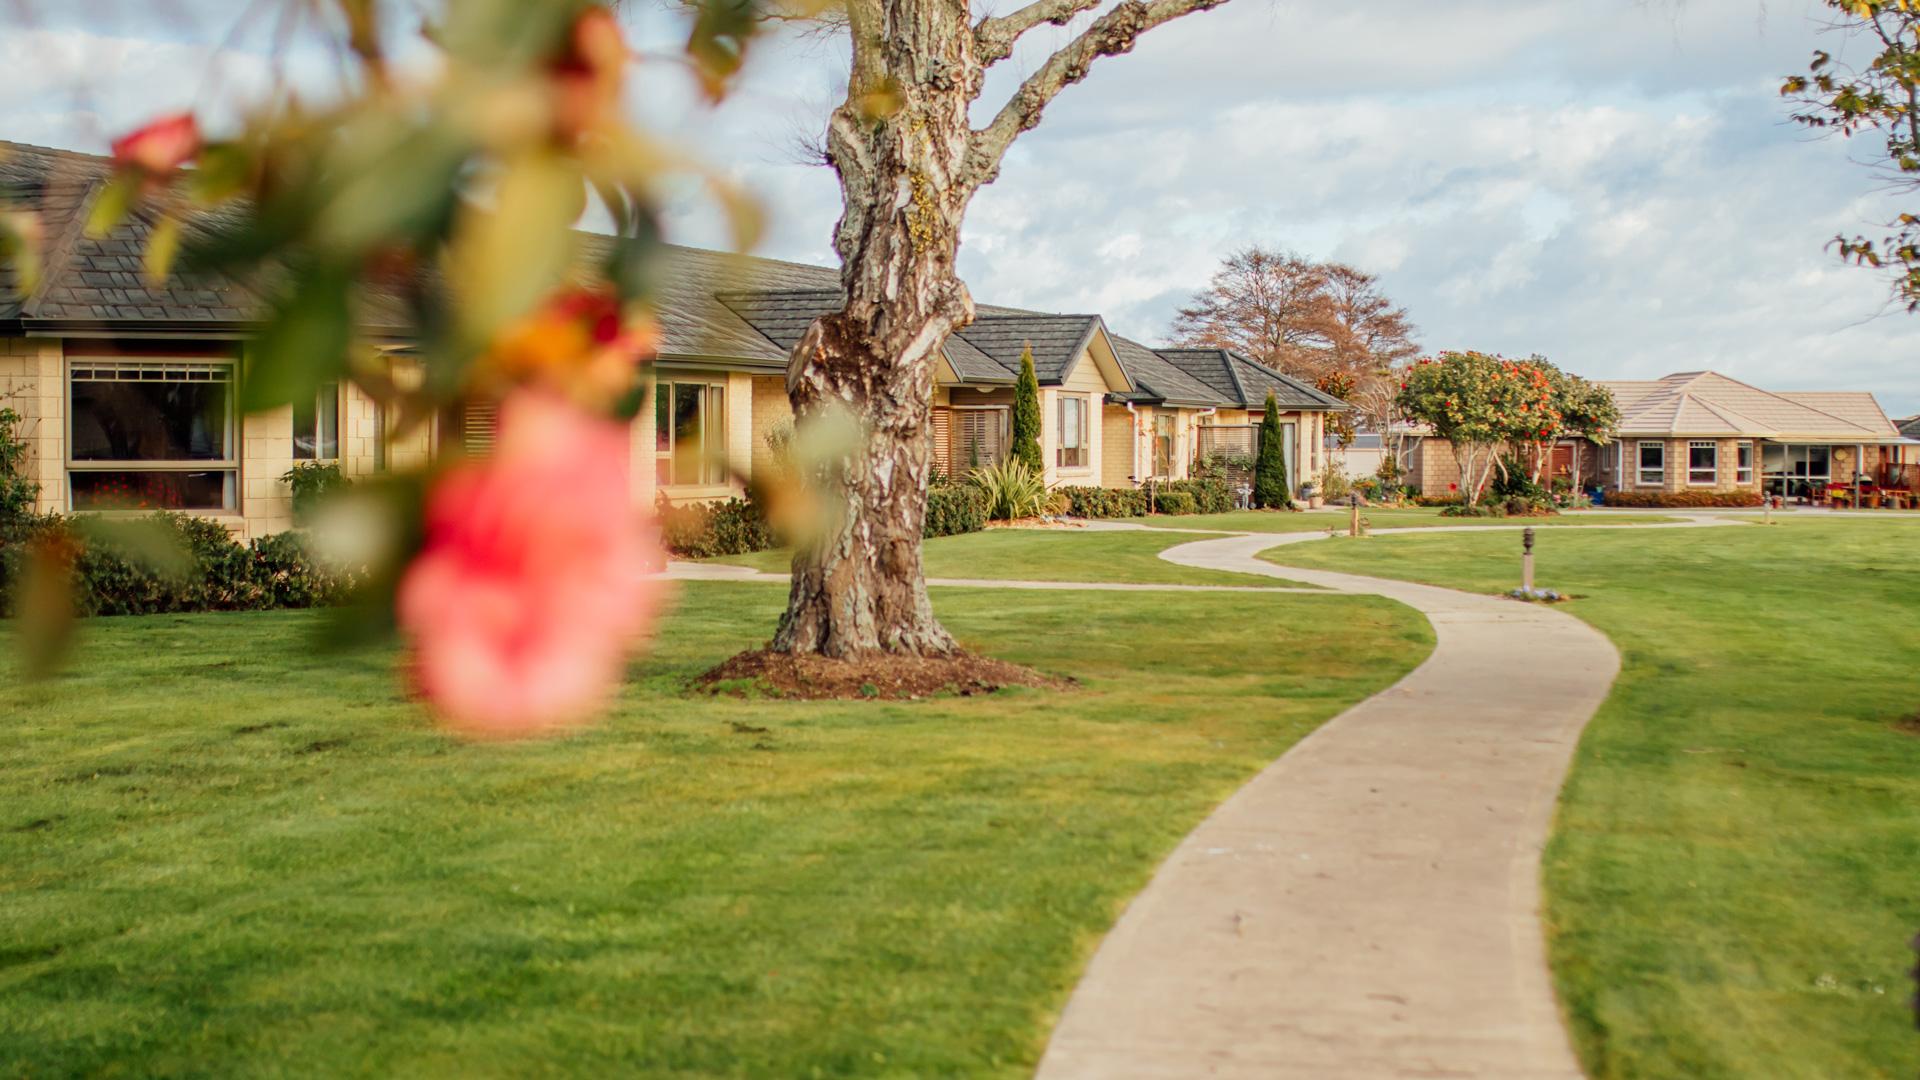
(1653, 464)
(1743, 463)
(689, 431)
(1072, 453)
(979, 437)
(316, 425)
(1703, 462)
(1795, 471)
(151, 435)
(1163, 444)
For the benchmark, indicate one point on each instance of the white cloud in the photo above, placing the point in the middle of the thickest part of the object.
(1612, 184)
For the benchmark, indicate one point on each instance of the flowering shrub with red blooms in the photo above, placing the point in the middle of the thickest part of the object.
(579, 342)
(534, 582)
(1479, 403)
(160, 148)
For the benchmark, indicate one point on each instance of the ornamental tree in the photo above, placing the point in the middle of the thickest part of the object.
(1270, 488)
(1026, 414)
(1479, 403)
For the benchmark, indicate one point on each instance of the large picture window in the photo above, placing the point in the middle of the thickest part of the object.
(150, 435)
(1703, 463)
(979, 438)
(1072, 452)
(1653, 464)
(690, 433)
(316, 426)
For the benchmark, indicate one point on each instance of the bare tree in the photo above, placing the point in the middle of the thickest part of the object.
(909, 163)
(1368, 333)
(1269, 306)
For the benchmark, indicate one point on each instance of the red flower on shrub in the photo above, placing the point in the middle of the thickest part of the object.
(159, 148)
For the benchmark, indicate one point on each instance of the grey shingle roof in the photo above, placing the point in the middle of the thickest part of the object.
(783, 316)
(1056, 339)
(1910, 427)
(88, 279)
(1157, 381)
(1230, 374)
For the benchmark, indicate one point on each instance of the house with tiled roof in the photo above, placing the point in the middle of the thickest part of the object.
(129, 387)
(1701, 431)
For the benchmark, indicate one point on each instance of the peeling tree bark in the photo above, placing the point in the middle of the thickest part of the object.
(909, 164)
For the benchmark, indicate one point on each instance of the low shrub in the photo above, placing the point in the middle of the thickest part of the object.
(1462, 510)
(1105, 502)
(1681, 499)
(703, 530)
(1436, 500)
(311, 482)
(1177, 502)
(1210, 495)
(953, 509)
(163, 562)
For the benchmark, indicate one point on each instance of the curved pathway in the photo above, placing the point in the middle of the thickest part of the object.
(1368, 905)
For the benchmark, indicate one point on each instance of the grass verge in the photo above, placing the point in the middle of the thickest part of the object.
(1048, 555)
(228, 854)
(1731, 877)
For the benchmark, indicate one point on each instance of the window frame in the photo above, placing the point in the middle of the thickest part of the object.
(712, 452)
(1080, 451)
(218, 368)
(1743, 463)
(1640, 463)
(1694, 472)
(319, 399)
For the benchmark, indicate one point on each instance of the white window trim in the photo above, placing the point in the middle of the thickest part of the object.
(228, 464)
(1086, 436)
(1703, 444)
(339, 424)
(1743, 474)
(707, 433)
(1639, 464)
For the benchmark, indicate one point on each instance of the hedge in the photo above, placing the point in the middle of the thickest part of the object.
(739, 526)
(1683, 498)
(703, 530)
(1210, 495)
(1177, 502)
(1105, 502)
(170, 563)
(953, 509)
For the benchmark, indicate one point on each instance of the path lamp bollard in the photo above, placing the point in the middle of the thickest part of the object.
(1526, 560)
(1353, 524)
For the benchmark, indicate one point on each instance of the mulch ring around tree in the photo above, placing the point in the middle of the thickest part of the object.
(879, 676)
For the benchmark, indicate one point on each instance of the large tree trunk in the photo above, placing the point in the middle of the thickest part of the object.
(897, 144)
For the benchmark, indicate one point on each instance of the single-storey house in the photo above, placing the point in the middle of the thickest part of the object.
(128, 388)
(1704, 431)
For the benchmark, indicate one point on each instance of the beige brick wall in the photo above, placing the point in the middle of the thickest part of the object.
(266, 453)
(1119, 442)
(771, 411)
(32, 383)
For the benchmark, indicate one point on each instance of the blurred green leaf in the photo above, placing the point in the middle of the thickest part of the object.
(304, 343)
(162, 245)
(509, 257)
(112, 204)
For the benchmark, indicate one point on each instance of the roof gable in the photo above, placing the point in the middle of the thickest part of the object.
(1707, 403)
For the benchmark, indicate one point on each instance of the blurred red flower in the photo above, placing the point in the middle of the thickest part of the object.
(161, 147)
(533, 584)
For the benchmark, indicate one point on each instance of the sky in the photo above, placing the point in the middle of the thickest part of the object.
(1613, 184)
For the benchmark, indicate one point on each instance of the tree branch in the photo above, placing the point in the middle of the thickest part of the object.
(993, 37)
(1109, 35)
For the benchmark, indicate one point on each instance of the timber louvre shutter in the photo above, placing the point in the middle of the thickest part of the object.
(943, 440)
(479, 422)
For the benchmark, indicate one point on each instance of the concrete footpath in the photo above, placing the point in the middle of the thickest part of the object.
(1368, 905)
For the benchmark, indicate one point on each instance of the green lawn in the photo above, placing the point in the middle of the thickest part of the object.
(228, 854)
(1412, 517)
(1735, 873)
(1048, 555)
